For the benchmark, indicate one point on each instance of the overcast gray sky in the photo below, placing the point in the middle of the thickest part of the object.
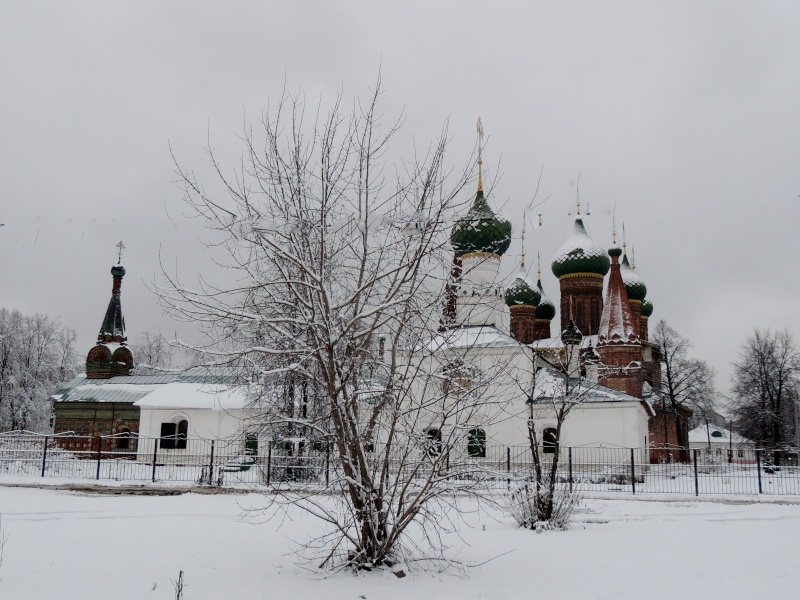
(685, 113)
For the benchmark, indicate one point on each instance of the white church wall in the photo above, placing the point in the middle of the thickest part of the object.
(203, 423)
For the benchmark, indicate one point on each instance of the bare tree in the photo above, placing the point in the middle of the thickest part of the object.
(36, 355)
(765, 389)
(557, 389)
(687, 383)
(152, 353)
(341, 262)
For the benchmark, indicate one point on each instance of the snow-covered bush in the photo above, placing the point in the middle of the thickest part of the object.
(533, 507)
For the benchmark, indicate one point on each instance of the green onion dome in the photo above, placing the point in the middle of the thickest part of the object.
(647, 308)
(520, 293)
(634, 285)
(480, 230)
(615, 250)
(118, 271)
(545, 310)
(579, 254)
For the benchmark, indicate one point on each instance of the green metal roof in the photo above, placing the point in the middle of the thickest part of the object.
(481, 230)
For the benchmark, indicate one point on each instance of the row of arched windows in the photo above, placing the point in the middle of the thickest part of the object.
(476, 442)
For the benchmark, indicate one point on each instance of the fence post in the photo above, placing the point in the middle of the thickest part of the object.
(570, 469)
(211, 465)
(508, 465)
(633, 473)
(155, 454)
(44, 454)
(99, 455)
(696, 482)
(758, 465)
(269, 461)
(327, 464)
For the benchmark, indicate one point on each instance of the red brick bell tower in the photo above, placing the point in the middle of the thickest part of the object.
(618, 344)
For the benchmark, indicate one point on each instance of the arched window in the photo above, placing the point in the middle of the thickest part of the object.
(434, 446)
(183, 433)
(124, 440)
(476, 443)
(549, 441)
(595, 317)
(174, 434)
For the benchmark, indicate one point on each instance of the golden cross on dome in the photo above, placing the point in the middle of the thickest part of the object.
(121, 247)
(479, 127)
(624, 246)
(538, 266)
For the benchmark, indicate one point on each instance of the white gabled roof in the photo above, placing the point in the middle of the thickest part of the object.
(555, 343)
(700, 435)
(195, 396)
(550, 386)
(479, 336)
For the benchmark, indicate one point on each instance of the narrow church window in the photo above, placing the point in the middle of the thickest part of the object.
(579, 315)
(183, 433)
(124, 440)
(168, 431)
(434, 447)
(549, 441)
(476, 443)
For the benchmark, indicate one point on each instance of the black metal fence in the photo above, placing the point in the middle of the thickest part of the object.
(736, 470)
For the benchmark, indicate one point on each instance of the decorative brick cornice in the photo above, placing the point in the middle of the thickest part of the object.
(480, 255)
(518, 306)
(574, 275)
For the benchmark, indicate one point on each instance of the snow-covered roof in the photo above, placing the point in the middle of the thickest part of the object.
(718, 435)
(132, 388)
(479, 336)
(194, 396)
(550, 385)
(555, 343)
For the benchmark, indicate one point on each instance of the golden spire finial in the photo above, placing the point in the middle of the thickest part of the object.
(479, 127)
(624, 245)
(538, 267)
(522, 264)
(613, 229)
(578, 194)
(633, 258)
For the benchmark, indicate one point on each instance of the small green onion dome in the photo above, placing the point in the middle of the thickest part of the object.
(647, 308)
(571, 336)
(520, 292)
(615, 250)
(480, 230)
(579, 254)
(118, 271)
(634, 285)
(545, 310)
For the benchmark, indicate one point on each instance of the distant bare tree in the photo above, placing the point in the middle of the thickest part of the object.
(152, 353)
(37, 354)
(686, 383)
(766, 382)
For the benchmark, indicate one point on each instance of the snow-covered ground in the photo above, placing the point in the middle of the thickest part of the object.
(68, 545)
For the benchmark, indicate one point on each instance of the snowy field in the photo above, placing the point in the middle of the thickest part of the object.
(68, 545)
